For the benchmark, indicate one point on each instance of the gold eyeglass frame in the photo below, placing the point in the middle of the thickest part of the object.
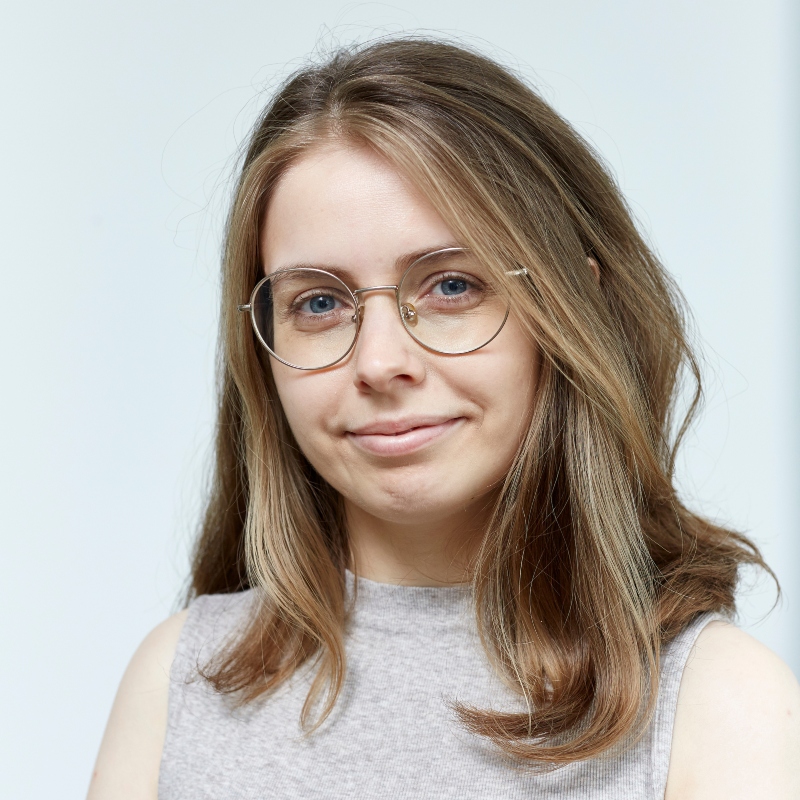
(406, 310)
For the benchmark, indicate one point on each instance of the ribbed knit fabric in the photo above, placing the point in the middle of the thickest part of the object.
(411, 652)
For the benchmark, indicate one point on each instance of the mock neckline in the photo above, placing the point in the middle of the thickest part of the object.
(395, 606)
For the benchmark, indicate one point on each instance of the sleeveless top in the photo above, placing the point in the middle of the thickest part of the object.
(411, 652)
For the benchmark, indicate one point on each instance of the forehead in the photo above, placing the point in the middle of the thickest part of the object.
(345, 206)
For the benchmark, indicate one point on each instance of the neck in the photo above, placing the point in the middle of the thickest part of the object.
(439, 553)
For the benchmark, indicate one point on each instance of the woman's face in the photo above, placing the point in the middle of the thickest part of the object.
(404, 434)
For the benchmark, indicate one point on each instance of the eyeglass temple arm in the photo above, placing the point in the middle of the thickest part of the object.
(243, 307)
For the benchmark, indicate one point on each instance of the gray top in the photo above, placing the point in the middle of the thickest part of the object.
(411, 651)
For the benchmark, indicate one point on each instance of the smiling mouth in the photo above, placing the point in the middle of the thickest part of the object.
(396, 439)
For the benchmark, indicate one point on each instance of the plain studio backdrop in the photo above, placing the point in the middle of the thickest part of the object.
(119, 123)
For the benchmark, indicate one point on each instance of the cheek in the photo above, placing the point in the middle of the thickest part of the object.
(307, 405)
(511, 383)
(509, 379)
(500, 385)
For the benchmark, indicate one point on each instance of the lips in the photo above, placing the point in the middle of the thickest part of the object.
(395, 437)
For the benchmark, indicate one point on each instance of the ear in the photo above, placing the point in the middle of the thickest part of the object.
(595, 268)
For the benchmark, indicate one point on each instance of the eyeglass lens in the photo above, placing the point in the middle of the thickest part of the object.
(308, 318)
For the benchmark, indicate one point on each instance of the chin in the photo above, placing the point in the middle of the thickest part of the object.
(417, 499)
(411, 511)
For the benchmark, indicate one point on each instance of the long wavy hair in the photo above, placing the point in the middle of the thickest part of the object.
(591, 561)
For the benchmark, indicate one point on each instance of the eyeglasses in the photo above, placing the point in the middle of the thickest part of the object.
(310, 319)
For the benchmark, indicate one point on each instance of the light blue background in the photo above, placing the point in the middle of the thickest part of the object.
(119, 121)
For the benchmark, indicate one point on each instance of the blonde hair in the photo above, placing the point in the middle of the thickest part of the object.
(591, 561)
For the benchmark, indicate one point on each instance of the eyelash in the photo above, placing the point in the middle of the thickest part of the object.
(298, 302)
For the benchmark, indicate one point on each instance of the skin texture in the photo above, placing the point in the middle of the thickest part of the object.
(415, 518)
(737, 725)
(130, 753)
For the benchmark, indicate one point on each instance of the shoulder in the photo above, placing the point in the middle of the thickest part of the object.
(737, 724)
(130, 753)
(214, 621)
(128, 761)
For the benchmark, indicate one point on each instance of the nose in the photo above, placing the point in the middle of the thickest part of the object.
(386, 358)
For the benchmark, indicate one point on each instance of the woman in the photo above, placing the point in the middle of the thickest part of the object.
(443, 554)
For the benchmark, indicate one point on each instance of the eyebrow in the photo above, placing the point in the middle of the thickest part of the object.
(401, 264)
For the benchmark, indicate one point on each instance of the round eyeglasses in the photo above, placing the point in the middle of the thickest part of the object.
(310, 319)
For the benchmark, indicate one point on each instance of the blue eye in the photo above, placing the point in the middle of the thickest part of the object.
(321, 304)
(453, 286)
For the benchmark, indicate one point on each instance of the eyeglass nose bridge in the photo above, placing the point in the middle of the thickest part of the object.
(359, 315)
(408, 314)
(357, 292)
